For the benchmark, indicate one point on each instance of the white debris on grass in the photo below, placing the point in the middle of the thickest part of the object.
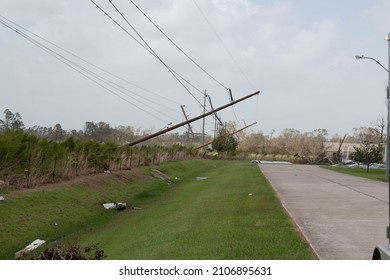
(35, 244)
(113, 205)
(110, 205)
(2, 198)
(201, 178)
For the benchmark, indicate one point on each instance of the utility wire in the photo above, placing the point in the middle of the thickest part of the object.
(226, 49)
(224, 45)
(180, 49)
(174, 73)
(99, 76)
(107, 72)
(148, 48)
(90, 63)
(73, 65)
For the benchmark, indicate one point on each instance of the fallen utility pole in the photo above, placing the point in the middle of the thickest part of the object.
(190, 120)
(229, 134)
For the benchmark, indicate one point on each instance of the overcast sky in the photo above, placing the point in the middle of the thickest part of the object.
(299, 54)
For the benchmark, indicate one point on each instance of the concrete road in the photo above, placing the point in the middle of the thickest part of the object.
(343, 217)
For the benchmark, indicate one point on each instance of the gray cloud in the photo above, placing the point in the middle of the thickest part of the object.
(299, 57)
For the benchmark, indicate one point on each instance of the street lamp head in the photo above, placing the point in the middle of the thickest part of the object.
(387, 38)
(359, 56)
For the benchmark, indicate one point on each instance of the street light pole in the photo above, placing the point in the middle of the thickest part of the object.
(388, 113)
(387, 38)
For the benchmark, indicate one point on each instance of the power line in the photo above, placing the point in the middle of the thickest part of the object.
(74, 66)
(227, 50)
(180, 49)
(174, 73)
(91, 64)
(99, 77)
(223, 44)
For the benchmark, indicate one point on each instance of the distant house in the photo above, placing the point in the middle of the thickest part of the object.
(331, 151)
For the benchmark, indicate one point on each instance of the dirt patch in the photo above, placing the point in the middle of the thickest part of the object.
(95, 181)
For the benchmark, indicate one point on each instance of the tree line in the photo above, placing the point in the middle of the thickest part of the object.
(38, 155)
(308, 147)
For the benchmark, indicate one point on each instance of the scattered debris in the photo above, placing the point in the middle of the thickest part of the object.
(2, 198)
(136, 208)
(110, 205)
(160, 175)
(249, 193)
(121, 206)
(107, 171)
(201, 178)
(35, 244)
(113, 205)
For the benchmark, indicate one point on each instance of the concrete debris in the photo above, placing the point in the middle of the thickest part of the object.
(35, 244)
(160, 175)
(201, 178)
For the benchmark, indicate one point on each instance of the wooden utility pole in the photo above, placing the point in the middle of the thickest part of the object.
(191, 120)
(204, 111)
(189, 126)
(241, 129)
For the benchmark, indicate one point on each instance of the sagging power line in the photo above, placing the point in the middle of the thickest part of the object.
(108, 85)
(150, 50)
(179, 48)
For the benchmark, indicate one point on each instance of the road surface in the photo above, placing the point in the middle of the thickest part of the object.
(342, 217)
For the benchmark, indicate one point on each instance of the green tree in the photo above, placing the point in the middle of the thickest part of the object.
(225, 142)
(11, 121)
(368, 153)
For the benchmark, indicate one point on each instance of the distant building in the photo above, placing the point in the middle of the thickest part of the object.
(332, 153)
(331, 149)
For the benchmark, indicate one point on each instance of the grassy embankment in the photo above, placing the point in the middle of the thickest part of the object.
(374, 173)
(233, 214)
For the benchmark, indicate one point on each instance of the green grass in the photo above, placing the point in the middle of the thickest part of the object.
(374, 173)
(56, 212)
(210, 219)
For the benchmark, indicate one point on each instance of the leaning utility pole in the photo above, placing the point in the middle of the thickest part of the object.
(189, 126)
(191, 120)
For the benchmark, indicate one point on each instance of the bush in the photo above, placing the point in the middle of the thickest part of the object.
(72, 252)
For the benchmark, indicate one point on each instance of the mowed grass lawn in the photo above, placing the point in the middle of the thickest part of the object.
(233, 214)
(374, 173)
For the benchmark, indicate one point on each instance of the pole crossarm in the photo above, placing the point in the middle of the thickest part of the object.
(191, 120)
